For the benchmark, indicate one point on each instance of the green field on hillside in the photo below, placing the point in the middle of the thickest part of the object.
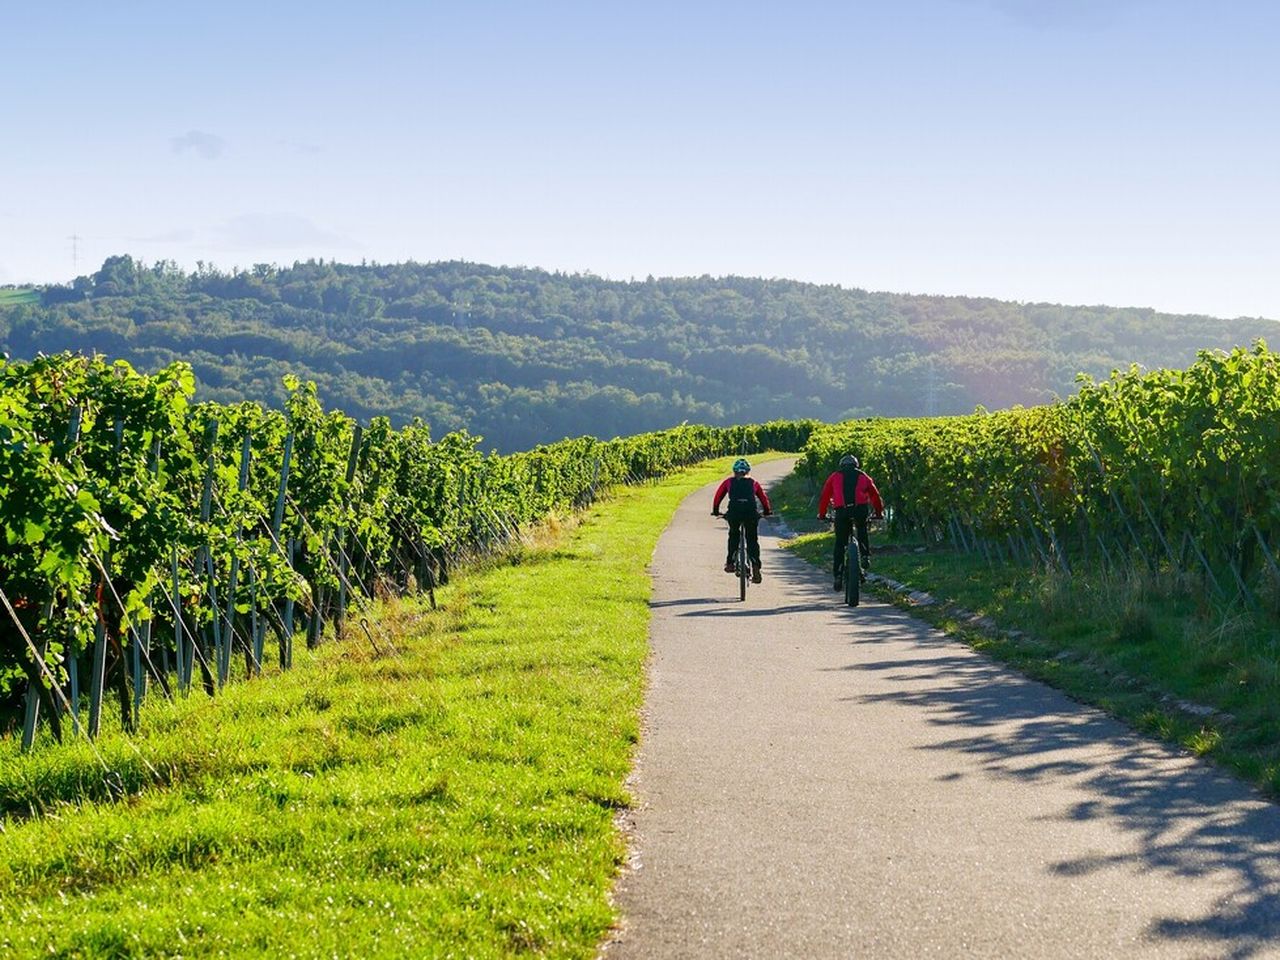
(12, 296)
(451, 794)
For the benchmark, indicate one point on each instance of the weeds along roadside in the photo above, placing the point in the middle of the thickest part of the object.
(1152, 648)
(457, 794)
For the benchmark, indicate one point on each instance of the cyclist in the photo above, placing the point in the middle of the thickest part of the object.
(743, 492)
(852, 494)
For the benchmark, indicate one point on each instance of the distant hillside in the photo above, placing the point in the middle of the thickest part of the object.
(524, 356)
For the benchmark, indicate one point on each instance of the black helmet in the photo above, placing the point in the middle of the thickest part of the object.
(849, 460)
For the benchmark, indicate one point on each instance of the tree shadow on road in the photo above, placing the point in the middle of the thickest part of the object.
(689, 602)
(738, 609)
(1190, 820)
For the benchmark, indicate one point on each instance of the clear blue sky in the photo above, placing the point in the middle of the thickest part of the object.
(1096, 151)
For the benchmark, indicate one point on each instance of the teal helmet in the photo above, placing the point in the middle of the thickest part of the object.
(741, 466)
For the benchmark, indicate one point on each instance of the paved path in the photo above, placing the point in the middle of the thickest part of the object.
(816, 781)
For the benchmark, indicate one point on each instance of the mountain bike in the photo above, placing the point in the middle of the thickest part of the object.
(741, 563)
(852, 575)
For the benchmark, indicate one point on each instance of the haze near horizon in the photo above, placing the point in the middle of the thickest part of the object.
(1120, 152)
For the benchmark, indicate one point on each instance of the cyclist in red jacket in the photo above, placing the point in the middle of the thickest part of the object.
(853, 494)
(743, 492)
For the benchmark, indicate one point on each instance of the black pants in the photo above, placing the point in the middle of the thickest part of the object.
(751, 526)
(849, 519)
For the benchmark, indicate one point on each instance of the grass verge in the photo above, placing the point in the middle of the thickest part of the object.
(453, 799)
(1149, 649)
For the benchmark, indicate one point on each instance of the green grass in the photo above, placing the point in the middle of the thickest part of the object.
(12, 296)
(455, 798)
(1135, 645)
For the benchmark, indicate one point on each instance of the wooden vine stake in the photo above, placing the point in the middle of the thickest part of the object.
(224, 663)
(277, 524)
(286, 638)
(344, 557)
(257, 626)
(142, 638)
(182, 652)
(97, 679)
(212, 634)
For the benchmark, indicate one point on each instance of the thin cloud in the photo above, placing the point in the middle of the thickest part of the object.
(277, 231)
(301, 146)
(207, 146)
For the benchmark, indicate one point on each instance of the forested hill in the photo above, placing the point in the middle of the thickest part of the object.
(523, 356)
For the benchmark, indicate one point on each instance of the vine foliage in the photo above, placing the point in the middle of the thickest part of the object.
(148, 539)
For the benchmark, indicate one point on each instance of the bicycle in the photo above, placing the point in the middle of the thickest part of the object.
(852, 570)
(742, 563)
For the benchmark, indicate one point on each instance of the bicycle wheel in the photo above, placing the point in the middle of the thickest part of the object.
(744, 568)
(852, 574)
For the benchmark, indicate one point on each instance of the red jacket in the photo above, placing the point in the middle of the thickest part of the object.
(759, 491)
(833, 493)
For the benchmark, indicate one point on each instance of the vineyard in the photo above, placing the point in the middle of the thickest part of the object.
(153, 546)
(1172, 471)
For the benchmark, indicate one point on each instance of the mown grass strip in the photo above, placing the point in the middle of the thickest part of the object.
(12, 296)
(456, 799)
(1155, 651)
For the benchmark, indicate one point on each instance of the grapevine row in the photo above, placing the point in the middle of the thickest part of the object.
(1168, 469)
(150, 541)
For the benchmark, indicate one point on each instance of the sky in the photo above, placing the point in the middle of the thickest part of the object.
(1124, 152)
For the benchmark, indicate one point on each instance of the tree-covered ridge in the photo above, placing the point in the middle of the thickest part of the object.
(523, 356)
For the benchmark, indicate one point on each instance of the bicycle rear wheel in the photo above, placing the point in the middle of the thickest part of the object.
(852, 574)
(744, 569)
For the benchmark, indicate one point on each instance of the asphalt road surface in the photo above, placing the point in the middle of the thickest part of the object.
(823, 781)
